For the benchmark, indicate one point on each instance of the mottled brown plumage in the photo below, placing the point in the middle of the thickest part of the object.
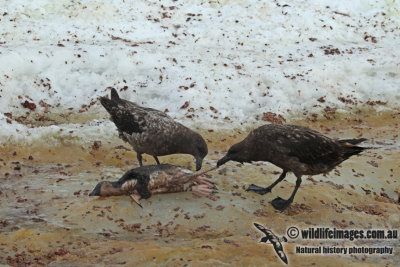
(153, 132)
(294, 149)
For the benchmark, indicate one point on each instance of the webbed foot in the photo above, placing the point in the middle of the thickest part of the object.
(204, 180)
(259, 190)
(281, 204)
(204, 189)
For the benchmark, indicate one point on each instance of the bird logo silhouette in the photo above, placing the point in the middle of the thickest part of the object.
(274, 240)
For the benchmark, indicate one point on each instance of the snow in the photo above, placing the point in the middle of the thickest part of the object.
(231, 60)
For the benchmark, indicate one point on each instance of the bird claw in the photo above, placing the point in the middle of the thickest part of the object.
(203, 189)
(281, 204)
(204, 180)
(259, 190)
